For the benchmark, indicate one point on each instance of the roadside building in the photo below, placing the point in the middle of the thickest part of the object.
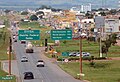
(112, 25)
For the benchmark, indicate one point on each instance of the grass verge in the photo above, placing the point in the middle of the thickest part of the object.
(4, 43)
(103, 71)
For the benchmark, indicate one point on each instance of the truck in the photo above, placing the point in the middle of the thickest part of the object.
(29, 48)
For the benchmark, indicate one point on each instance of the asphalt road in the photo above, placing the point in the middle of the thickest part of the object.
(50, 73)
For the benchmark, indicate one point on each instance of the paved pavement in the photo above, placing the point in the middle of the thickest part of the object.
(14, 67)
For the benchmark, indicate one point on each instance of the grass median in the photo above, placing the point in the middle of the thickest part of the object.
(103, 71)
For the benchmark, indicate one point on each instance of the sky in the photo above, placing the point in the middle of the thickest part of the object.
(64, 4)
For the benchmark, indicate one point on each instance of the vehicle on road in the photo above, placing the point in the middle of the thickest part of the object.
(29, 48)
(23, 42)
(24, 59)
(40, 63)
(15, 40)
(14, 36)
(28, 75)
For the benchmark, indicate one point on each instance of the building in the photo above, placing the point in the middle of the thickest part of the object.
(112, 25)
(85, 8)
(81, 9)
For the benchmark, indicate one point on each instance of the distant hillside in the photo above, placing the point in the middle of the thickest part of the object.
(64, 4)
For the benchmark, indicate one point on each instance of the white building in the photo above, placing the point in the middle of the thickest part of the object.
(46, 11)
(112, 25)
(85, 8)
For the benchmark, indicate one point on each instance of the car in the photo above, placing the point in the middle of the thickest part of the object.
(14, 36)
(28, 75)
(23, 42)
(24, 59)
(72, 54)
(40, 63)
(84, 54)
(15, 40)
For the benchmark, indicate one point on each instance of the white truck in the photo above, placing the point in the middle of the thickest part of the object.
(29, 48)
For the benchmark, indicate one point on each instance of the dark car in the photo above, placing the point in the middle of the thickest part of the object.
(15, 40)
(40, 63)
(28, 75)
(23, 42)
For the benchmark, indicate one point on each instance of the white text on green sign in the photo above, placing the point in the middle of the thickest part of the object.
(61, 34)
(6, 77)
(29, 35)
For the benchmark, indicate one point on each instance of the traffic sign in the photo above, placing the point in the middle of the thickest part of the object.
(61, 34)
(65, 53)
(66, 60)
(6, 77)
(29, 34)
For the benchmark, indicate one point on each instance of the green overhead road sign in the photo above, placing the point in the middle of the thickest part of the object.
(29, 34)
(61, 34)
(6, 77)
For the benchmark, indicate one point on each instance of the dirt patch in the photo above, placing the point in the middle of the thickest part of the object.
(118, 42)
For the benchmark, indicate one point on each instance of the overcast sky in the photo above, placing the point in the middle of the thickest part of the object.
(59, 3)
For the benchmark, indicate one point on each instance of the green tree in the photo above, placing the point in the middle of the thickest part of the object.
(89, 15)
(113, 11)
(24, 13)
(113, 39)
(34, 18)
(7, 11)
(102, 13)
(40, 13)
(107, 44)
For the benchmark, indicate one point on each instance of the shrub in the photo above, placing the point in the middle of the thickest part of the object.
(99, 58)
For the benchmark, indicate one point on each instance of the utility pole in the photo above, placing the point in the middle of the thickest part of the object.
(80, 32)
(9, 56)
(80, 54)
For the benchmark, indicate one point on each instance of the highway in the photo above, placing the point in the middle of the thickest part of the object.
(50, 73)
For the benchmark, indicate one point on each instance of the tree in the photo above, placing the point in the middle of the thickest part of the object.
(113, 11)
(40, 13)
(107, 44)
(7, 11)
(102, 13)
(113, 39)
(89, 15)
(34, 18)
(24, 13)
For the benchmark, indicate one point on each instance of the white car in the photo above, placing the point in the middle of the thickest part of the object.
(40, 63)
(72, 54)
(84, 54)
(24, 59)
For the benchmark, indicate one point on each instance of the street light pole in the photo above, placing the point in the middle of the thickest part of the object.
(101, 35)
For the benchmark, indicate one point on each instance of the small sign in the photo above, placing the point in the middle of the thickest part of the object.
(29, 34)
(66, 60)
(65, 53)
(61, 34)
(6, 77)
